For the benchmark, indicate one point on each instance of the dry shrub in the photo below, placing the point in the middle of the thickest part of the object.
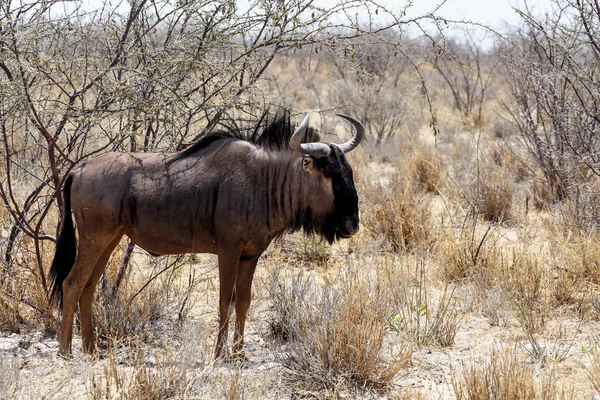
(469, 253)
(494, 197)
(503, 377)
(514, 167)
(506, 376)
(155, 374)
(144, 306)
(23, 300)
(11, 296)
(580, 213)
(336, 333)
(577, 273)
(496, 278)
(580, 253)
(314, 249)
(426, 322)
(426, 170)
(594, 369)
(144, 382)
(24, 303)
(399, 214)
(495, 306)
(417, 316)
(286, 299)
(522, 278)
(568, 289)
(501, 127)
(542, 194)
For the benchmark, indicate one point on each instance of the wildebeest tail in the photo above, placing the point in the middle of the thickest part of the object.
(66, 248)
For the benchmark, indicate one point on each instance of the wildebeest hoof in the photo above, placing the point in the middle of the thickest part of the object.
(237, 357)
(64, 356)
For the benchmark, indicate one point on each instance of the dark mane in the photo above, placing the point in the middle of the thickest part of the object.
(272, 132)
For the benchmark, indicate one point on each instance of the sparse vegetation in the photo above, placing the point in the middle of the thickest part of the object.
(10, 377)
(476, 270)
(336, 333)
(506, 376)
(426, 171)
(398, 214)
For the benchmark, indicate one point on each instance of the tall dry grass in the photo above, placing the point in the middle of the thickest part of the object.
(23, 301)
(468, 252)
(335, 332)
(425, 168)
(419, 316)
(523, 279)
(148, 304)
(142, 372)
(506, 376)
(398, 213)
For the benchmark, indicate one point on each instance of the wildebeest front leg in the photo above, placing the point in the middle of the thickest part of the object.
(243, 297)
(229, 260)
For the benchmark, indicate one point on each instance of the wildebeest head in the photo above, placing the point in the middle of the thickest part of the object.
(327, 162)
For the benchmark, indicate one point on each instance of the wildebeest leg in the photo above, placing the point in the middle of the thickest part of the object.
(229, 260)
(87, 296)
(88, 254)
(243, 297)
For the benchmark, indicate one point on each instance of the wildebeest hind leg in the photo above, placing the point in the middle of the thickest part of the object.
(243, 297)
(88, 254)
(87, 296)
(229, 260)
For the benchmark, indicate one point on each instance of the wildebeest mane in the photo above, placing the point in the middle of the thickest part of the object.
(272, 132)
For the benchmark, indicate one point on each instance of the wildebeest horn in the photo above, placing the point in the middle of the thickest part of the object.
(317, 149)
(358, 136)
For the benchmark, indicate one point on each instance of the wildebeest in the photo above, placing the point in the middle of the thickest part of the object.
(229, 194)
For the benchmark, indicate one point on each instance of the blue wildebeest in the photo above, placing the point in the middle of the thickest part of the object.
(229, 194)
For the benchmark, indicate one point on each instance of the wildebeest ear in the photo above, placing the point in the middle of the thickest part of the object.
(308, 164)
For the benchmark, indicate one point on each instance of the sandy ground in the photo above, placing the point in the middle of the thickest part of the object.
(34, 370)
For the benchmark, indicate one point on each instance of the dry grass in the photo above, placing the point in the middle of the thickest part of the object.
(542, 194)
(470, 252)
(523, 278)
(425, 168)
(146, 307)
(575, 275)
(495, 306)
(138, 372)
(580, 253)
(398, 214)
(594, 370)
(503, 377)
(510, 163)
(419, 317)
(24, 303)
(336, 332)
(506, 376)
(11, 297)
(494, 197)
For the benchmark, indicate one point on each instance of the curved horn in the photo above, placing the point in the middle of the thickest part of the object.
(298, 135)
(358, 136)
(317, 150)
